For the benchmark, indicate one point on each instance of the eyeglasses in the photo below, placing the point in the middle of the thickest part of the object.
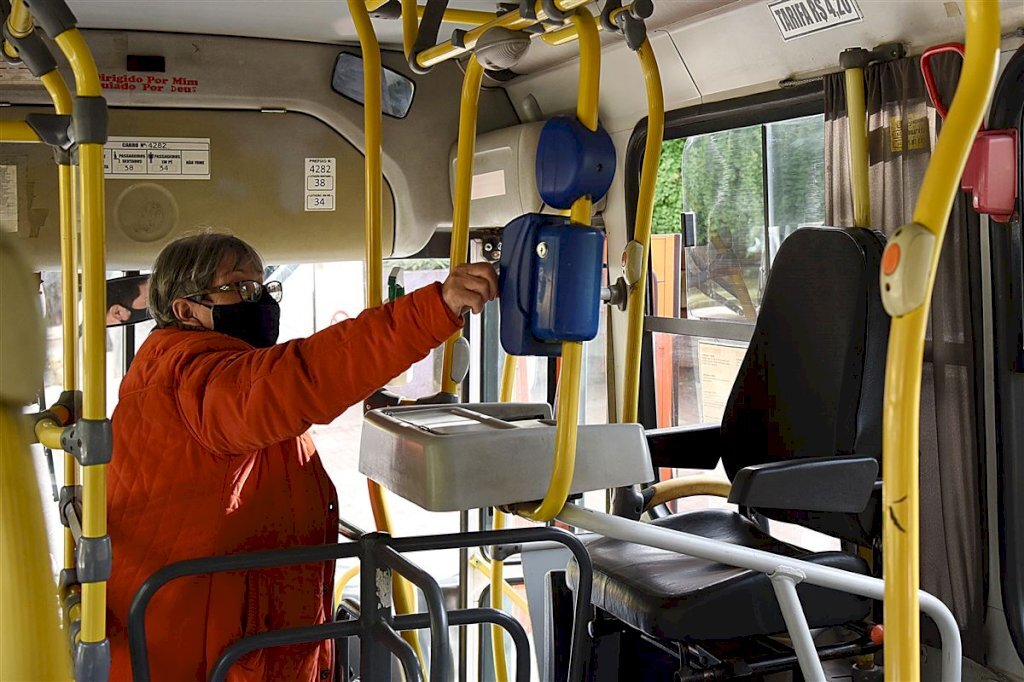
(249, 290)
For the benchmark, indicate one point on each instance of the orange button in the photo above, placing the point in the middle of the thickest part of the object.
(891, 259)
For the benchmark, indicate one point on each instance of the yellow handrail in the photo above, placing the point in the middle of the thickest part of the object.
(467, 17)
(342, 583)
(17, 131)
(498, 584)
(906, 346)
(372, 123)
(468, 106)
(410, 25)
(857, 118)
(642, 229)
(510, 20)
(94, 397)
(567, 410)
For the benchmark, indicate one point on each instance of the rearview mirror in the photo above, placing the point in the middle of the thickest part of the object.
(347, 81)
(126, 300)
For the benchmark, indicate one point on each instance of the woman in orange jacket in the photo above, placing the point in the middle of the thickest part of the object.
(211, 455)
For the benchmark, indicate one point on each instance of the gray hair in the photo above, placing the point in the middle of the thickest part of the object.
(188, 264)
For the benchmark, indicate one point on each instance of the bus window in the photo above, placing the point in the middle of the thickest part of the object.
(724, 202)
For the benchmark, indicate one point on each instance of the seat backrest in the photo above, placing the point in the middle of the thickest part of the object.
(811, 382)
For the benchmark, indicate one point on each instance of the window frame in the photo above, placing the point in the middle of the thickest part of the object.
(806, 99)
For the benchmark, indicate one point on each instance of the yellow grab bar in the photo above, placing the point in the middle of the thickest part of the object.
(906, 338)
(17, 131)
(510, 20)
(567, 410)
(857, 117)
(463, 192)
(467, 17)
(498, 584)
(402, 590)
(642, 229)
(92, 211)
(57, 88)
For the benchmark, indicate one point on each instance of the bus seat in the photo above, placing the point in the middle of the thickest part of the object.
(810, 387)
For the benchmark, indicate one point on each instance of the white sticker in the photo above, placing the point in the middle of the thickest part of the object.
(487, 185)
(8, 198)
(319, 185)
(157, 158)
(718, 364)
(798, 18)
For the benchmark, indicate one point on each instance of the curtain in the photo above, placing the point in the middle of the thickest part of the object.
(902, 130)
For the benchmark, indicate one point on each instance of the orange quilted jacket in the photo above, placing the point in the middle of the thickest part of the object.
(211, 457)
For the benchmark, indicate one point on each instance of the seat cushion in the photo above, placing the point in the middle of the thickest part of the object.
(679, 597)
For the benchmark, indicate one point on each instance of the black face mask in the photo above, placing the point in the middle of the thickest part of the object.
(255, 323)
(137, 315)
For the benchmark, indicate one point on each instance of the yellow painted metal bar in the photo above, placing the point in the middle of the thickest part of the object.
(374, 180)
(410, 25)
(463, 192)
(857, 116)
(467, 17)
(19, 21)
(567, 410)
(94, 478)
(17, 131)
(906, 348)
(498, 584)
(374, 5)
(48, 433)
(342, 583)
(372, 134)
(31, 644)
(689, 486)
(61, 97)
(642, 229)
(498, 602)
(484, 568)
(511, 20)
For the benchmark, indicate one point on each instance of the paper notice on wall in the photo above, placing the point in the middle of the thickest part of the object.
(8, 198)
(487, 185)
(718, 364)
(798, 18)
(319, 187)
(157, 158)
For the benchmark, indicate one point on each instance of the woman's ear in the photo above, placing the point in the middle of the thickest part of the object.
(185, 314)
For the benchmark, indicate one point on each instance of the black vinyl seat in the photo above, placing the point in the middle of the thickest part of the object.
(678, 597)
(801, 441)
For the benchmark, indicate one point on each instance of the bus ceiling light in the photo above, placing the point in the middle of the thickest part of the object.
(500, 48)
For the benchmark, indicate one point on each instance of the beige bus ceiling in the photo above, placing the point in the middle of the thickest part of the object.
(231, 91)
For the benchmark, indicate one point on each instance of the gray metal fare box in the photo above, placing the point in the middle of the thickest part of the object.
(457, 457)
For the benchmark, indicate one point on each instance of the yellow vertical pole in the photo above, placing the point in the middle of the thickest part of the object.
(858, 125)
(463, 191)
(94, 352)
(642, 229)
(567, 410)
(372, 123)
(906, 346)
(508, 380)
(410, 24)
(58, 91)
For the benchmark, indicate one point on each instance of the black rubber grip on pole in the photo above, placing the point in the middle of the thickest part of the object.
(32, 52)
(53, 16)
(89, 120)
(426, 37)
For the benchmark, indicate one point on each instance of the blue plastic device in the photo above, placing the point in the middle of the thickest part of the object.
(573, 162)
(550, 284)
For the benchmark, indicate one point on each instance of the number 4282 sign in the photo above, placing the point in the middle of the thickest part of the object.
(319, 188)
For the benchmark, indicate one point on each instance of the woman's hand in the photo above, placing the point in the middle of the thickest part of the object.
(469, 287)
